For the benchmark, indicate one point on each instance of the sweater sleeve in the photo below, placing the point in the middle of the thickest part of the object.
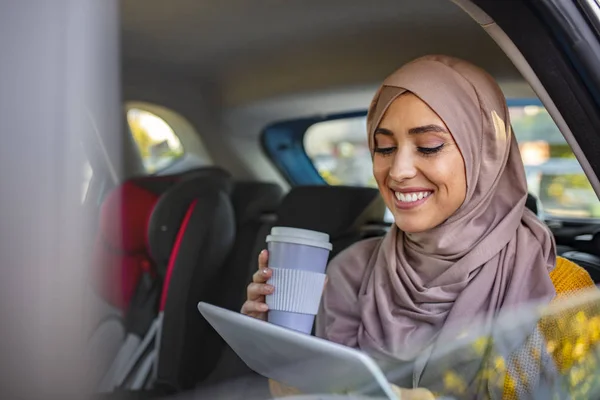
(569, 333)
(569, 277)
(567, 328)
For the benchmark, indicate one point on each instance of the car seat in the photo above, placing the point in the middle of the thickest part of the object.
(126, 275)
(189, 256)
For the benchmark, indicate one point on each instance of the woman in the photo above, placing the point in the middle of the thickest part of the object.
(463, 246)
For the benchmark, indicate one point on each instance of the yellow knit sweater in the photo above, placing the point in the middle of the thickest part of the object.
(569, 333)
(569, 277)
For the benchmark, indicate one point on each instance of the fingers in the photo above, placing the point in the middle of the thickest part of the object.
(397, 390)
(257, 291)
(412, 394)
(254, 307)
(423, 394)
(262, 275)
(263, 259)
(264, 272)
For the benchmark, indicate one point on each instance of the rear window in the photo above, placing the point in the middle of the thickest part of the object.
(156, 140)
(339, 152)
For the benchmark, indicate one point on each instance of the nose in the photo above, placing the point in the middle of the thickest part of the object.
(403, 166)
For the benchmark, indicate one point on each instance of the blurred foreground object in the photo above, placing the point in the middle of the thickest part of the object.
(60, 82)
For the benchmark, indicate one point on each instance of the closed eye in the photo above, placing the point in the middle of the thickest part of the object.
(386, 151)
(430, 150)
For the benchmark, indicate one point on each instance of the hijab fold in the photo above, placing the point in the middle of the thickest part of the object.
(491, 254)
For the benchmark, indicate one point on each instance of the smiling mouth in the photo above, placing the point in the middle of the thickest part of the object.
(411, 197)
(410, 200)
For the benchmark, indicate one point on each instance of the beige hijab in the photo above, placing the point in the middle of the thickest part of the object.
(394, 296)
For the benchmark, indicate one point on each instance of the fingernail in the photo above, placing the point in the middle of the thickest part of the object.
(269, 289)
(265, 271)
(264, 307)
(262, 253)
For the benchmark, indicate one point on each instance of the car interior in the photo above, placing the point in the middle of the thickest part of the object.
(239, 116)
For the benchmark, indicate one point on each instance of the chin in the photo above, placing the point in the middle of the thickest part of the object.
(410, 226)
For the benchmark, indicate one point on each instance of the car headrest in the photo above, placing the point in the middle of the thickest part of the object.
(161, 183)
(124, 217)
(212, 171)
(253, 199)
(335, 210)
(172, 207)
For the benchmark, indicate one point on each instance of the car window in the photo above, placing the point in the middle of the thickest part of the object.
(340, 153)
(157, 142)
(553, 173)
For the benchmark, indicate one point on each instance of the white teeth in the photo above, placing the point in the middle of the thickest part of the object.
(411, 197)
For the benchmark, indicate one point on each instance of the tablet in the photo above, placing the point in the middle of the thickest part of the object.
(308, 363)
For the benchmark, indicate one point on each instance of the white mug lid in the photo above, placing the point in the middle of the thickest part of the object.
(299, 236)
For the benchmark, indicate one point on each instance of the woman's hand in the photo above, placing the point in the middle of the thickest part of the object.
(255, 305)
(413, 394)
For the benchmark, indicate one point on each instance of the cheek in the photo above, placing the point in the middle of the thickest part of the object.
(452, 177)
(448, 174)
(381, 170)
(456, 189)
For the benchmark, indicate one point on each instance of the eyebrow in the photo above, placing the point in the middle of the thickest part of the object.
(383, 131)
(414, 131)
(427, 129)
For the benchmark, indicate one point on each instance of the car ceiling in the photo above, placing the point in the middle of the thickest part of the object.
(244, 51)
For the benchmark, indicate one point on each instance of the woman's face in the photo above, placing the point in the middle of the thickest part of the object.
(417, 165)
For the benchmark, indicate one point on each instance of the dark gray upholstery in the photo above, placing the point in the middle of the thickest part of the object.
(590, 262)
(194, 272)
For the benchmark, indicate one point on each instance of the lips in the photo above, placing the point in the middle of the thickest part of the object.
(410, 198)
